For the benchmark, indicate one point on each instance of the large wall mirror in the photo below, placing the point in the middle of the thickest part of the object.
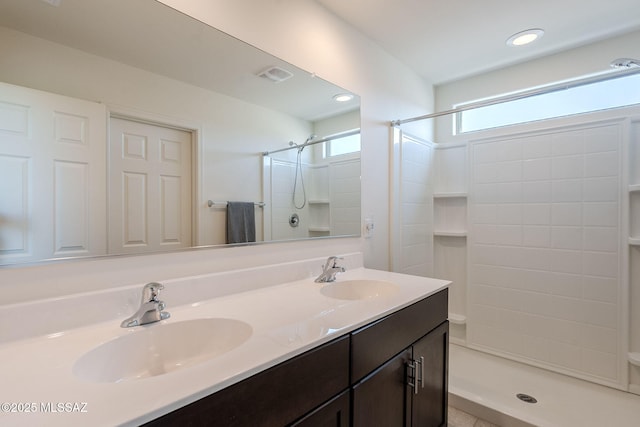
(128, 127)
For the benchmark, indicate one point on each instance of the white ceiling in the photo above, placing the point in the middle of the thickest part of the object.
(151, 36)
(452, 39)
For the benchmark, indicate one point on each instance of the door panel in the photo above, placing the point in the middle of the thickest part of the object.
(52, 159)
(150, 187)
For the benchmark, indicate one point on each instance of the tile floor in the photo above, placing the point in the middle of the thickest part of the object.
(458, 418)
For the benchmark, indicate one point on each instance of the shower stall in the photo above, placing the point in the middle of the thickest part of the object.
(538, 227)
(310, 193)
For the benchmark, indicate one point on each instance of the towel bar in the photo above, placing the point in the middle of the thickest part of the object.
(211, 204)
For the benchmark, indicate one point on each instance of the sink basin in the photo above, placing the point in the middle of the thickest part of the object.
(160, 348)
(358, 289)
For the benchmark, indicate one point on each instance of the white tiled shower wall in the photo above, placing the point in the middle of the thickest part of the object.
(344, 182)
(283, 174)
(545, 250)
(634, 251)
(549, 272)
(412, 206)
(337, 182)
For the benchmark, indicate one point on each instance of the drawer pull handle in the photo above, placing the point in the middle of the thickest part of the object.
(417, 366)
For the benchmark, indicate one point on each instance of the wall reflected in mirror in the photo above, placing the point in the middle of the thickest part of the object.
(113, 139)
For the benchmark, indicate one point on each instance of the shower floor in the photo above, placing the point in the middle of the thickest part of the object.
(486, 386)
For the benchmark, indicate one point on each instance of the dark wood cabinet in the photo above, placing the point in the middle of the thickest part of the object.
(392, 372)
(374, 344)
(410, 389)
(335, 413)
(429, 400)
(380, 399)
(273, 398)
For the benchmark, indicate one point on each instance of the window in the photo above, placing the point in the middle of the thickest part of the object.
(338, 145)
(579, 98)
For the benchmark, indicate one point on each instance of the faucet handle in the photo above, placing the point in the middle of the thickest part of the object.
(332, 262)
(151, 291)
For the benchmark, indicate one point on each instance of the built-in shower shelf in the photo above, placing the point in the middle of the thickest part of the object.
(450, 233)
(320, 229)
(457, 319)
(634, 241)
(448, 195)
(633, 188)
(319, 202)
(634, 359)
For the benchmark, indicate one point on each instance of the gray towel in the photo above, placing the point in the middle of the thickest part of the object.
(241, 222)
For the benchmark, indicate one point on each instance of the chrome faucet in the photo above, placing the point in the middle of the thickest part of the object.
(150, 308)
(329, 270)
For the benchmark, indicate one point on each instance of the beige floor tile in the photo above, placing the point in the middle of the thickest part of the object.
(483, 423)
(458, 418)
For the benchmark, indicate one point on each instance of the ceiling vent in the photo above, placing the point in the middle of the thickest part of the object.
(276, 74)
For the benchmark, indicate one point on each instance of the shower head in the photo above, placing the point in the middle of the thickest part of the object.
(301, 147)
(625, 63)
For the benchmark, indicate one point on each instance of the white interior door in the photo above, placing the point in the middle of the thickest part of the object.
(149, 187)
(52, 176)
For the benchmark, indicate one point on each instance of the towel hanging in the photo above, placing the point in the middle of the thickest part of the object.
(241, 222)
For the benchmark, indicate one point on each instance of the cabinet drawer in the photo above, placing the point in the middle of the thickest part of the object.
(374, 344)
(275, 397)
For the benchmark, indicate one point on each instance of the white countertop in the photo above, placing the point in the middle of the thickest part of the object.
(287, 320)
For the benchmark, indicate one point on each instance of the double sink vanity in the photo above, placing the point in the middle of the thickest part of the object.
(369, 348)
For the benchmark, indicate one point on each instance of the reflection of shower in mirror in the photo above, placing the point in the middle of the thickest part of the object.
(299, 172)
(301, 147)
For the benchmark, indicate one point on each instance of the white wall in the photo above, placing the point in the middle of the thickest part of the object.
(303, 33)
(341, 123)
(308, 36)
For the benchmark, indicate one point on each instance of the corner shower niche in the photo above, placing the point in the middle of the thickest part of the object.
(319, 201)
(450, 230)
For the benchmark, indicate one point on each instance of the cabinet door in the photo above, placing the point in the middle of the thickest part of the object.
(335, 413)
(380, 399)
(429, 406)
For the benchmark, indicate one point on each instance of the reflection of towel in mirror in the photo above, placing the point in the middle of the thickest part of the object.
(241, 222)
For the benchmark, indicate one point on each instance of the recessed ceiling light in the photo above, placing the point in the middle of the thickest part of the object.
(343, 97)
(525, 37)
